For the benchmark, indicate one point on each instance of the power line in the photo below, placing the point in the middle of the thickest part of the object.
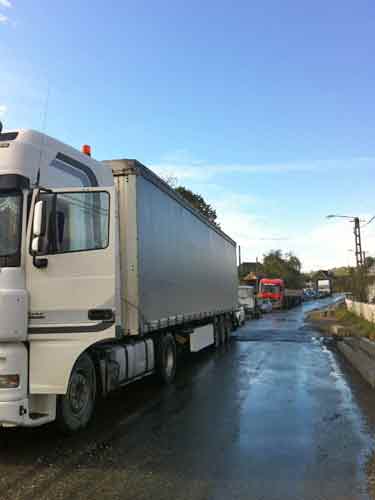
(369, 221)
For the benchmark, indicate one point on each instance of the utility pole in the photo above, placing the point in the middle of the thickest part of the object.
(357, 236)
(239, 255)
(358, 243)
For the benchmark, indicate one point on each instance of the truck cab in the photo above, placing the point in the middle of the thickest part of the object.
(247, 298)
(272, 289)
(57, 269)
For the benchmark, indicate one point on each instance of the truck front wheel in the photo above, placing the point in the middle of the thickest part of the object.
(166, 358)
(76, 407)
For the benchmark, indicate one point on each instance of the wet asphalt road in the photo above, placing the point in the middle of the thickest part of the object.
(277, 414)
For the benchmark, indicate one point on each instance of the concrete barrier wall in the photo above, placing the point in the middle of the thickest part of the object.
(361, 309)
(360, 358)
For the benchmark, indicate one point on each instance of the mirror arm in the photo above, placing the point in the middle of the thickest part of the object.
(40, 263)
(41, 188)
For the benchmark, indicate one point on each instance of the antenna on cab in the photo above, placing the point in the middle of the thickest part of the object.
(37, 181)
(44, 124)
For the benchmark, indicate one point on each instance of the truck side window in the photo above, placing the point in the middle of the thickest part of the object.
(78, 221)
(82, 221)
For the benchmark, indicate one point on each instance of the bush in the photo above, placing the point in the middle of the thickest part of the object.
(359, 326)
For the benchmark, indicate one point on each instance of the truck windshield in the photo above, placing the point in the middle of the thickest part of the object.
(245, 294)
(270, 289)
(10, 228)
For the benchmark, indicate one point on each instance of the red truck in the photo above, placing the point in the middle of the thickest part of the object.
(281, 297)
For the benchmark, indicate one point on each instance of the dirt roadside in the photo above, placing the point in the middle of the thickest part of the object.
(337, 321)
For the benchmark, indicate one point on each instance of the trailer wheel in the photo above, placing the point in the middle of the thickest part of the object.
(228, 326)
(223, 330)
(217, 332)
(76, 407)
(166, 358)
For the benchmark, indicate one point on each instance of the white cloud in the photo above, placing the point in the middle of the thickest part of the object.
(254, 233)
(5, 3)
(326, 245)
(180, 164)
(331, 244)
(3, 109)
(179, 156)
(202, 171)
(3, 19)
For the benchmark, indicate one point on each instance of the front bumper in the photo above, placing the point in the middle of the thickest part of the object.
(17, 414)
(14, 413)
(17, 406)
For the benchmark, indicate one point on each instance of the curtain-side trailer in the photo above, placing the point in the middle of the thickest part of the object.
(105, 272)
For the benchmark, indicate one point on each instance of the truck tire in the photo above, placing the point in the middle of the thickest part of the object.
(76, 407)
(217, 332)
(228, 327)
(166, 358)
(223, 330)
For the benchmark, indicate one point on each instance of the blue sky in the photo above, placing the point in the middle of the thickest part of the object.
(264, 107)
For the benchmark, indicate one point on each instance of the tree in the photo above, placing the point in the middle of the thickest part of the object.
(273, 264)
(293, 262)
(199, 203)
(369, 262)
(196, 200)
(286, 267)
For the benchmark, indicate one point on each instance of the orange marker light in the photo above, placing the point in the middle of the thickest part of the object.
(86, 150)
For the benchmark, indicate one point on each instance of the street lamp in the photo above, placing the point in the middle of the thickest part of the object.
(352, 217)
(357, 235)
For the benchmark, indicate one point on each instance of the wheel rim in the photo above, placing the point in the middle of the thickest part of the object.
(169, 360)
(79, 393)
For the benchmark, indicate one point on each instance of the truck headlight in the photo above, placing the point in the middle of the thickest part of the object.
(9, 381)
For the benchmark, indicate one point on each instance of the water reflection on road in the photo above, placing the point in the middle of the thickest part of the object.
(274, 415)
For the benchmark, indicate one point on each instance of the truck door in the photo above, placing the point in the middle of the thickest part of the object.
(71, 275)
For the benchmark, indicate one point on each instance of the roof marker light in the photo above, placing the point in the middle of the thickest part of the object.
(86, 150)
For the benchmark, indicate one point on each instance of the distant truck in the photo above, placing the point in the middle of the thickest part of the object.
(324, 288)
(281, 297)
(105, 273)
(247, 298)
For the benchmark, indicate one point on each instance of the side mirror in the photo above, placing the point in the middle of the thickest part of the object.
(39, 221)
(39, 231)
(37, 244)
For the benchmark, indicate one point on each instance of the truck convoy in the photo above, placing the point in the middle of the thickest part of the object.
(105, 273)
(281, 297)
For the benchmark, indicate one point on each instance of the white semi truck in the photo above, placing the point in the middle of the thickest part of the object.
(324, 287)
(247, 298)
(105, 272)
